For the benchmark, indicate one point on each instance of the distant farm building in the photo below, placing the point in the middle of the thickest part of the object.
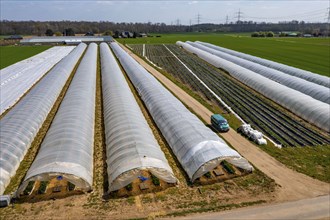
(292, 35)
(14, 37)
(126, 34)
(143, 35)
(10, 40)
(89, 33)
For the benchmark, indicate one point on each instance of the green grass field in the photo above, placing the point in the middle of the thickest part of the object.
(12, 54)
(313, 161)
(306, 53)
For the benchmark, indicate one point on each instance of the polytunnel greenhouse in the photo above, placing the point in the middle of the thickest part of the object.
(18, 78)
(131, 146)
(198, 149)
(312, 110)
(67, 149)
(21, 124)
(307, 75)
(309, 88)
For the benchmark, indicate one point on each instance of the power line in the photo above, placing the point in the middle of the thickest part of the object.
(239, 15)
(214, 19)
(328, 19)
(314, 12)
(198, 18)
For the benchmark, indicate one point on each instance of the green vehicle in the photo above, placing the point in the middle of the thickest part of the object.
(219, 123)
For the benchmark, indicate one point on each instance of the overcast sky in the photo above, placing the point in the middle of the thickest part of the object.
(164, 11)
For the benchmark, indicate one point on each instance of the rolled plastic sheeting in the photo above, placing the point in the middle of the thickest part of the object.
(67, 149)
(312, 110)
(22, 123)
(197, 148)
(307, 75)
(18, 78)
(314, 90)
(131, 146)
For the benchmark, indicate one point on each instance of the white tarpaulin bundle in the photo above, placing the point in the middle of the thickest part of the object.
(310, 109)
(309, 88)
(20, 126)
(197, 148)
(131, 146)
(309, 76)
(67, 149)
(18, 78)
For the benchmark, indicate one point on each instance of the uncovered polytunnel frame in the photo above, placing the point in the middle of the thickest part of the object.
(197, 148)
(130, 145)
(67, 149)
(22, 123)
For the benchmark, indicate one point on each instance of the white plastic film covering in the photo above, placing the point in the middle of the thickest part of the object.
(197, 148)
(21, 124)
(131, 146)
(312, 110)
(307, 75)
(67, 149)
(314, 90)
(17, 79)
(66, 39)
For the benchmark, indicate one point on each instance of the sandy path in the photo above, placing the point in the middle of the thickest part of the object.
(315, 208)
(294, 185)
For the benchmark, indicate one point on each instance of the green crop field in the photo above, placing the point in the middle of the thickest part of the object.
(12, 54)
(306, 53)
(312, 161)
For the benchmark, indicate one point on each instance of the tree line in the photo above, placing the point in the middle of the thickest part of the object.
(39, 28)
